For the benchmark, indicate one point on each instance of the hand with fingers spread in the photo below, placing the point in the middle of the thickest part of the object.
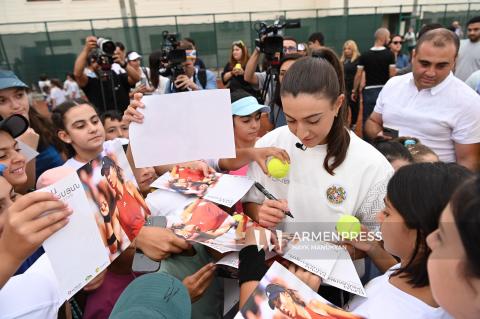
(311, 280)
(272, 212)
(131, 114)
(199, 281)
(261, 155)
(158, 243)
(28, 222)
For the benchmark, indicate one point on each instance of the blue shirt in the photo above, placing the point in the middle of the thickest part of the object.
(211, 82)
(402, 61)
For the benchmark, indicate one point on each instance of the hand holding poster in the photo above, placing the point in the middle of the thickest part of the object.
(108, 212)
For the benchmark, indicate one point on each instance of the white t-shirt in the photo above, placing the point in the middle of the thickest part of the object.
(73, 163)
(439, 117)
(386, 301)
(71, 89)
(34, 294)
(357, 188)
(57, 95)
(468, 60)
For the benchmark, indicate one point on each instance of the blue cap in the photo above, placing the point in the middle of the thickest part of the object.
(8, 79)
(248, 105)
(409, 142)
(272, 291)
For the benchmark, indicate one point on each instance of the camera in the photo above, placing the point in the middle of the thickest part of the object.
(172, 59)
(104, 53)
(269, 41)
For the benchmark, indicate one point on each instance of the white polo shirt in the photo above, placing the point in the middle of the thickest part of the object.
(317, 199)
(441, 116)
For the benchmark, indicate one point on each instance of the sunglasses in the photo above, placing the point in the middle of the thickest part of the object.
(238, 43)
(397, 42)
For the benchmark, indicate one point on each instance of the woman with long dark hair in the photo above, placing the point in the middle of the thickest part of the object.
(332, 171)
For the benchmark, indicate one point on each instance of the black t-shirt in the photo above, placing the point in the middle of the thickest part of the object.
(349, 70)
(376, 64)
(238, 82)
(103, 99)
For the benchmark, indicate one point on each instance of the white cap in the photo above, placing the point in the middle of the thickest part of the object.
(133, 56)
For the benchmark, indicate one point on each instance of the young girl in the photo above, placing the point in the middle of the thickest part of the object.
(14, 164)
(454, 264)
(416, 196)
(14, 100)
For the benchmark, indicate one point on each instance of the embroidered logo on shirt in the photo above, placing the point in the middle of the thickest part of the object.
(336, 194)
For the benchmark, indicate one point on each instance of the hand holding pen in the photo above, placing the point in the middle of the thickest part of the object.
(272, 211)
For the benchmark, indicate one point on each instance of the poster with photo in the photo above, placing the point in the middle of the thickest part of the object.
(204, 222)
(280, 294)
(108, 212)
(219, 188)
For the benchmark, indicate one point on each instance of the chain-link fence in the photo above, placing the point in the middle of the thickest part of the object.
(31, 49)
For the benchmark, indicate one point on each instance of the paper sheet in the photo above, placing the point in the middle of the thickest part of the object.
(183, 127)
(225, 190)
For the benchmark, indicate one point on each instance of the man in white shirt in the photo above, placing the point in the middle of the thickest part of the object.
(469, 55)
(432, 104)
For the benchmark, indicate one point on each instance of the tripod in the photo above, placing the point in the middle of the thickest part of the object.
(270, 87)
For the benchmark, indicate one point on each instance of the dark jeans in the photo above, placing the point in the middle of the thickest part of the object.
(369, 100)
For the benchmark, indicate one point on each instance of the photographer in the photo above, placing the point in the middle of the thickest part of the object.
(106, 89)
(257, 79)
(192, 79)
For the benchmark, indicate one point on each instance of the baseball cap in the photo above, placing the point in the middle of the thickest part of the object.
(132, 56)
(272, 291)
(8, 79)
(248, 105)
(15, 125)
(155, 295)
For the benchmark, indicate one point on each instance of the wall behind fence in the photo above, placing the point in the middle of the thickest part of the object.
(53, 52)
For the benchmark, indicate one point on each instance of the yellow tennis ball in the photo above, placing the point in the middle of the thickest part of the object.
(277, 168)
(348, 226)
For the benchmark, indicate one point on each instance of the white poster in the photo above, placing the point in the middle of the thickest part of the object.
(183, 127)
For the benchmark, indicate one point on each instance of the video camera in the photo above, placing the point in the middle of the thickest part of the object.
(269, 41)
(172, 58)
(104, 53)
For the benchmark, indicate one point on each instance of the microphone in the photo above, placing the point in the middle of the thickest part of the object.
(300, 146)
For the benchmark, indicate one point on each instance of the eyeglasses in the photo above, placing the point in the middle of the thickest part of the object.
(238, 43)
(397, 42)
(289, 49)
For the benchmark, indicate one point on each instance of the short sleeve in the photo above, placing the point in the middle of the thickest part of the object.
(391, 58)
(466, 129)
(361, 62)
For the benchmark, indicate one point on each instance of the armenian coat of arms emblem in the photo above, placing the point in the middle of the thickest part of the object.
(336, 194)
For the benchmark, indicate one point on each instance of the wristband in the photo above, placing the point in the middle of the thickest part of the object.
(251, 265)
